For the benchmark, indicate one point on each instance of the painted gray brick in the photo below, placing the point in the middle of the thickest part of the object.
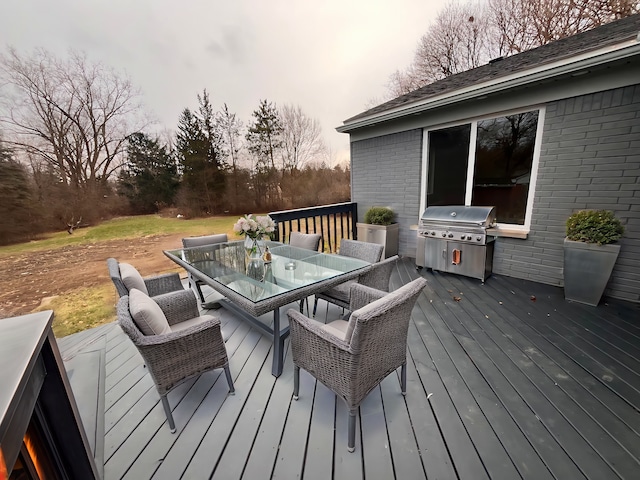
(590, 158)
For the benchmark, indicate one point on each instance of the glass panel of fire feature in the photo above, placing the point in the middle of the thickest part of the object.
(35, 459)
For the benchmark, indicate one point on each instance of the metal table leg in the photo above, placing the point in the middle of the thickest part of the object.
(278, 345)
(276, 334)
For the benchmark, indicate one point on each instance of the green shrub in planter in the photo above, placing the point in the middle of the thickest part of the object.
(379, 216)
(594, 226)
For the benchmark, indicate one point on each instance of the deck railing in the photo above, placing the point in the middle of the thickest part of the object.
(332, 222)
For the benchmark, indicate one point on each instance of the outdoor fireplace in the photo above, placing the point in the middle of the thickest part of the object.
(41, 434)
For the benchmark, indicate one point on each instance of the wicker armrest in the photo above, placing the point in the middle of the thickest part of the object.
(168, 339)
(309, 329)
(178, 306)
(362, 295)
(177, 355)
(168, 282)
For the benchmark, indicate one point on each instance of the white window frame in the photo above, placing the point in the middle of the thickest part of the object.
(505, 227)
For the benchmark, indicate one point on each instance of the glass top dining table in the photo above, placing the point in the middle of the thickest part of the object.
(291, 275)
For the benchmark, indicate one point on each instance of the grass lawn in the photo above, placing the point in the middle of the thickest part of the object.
(126, 228)
(82, 295)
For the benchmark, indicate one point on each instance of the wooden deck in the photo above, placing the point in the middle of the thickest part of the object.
(506, 380)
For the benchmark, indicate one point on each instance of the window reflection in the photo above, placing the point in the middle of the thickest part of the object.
(448, 158)
(504, 155)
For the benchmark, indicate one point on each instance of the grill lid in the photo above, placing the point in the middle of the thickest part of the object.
(460, 215)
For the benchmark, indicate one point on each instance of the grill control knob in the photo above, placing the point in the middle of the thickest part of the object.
(478, 238)
(444, 234)
(433, 232)
(450, 235)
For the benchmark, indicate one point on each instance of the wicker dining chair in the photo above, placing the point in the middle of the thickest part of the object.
(369, 252)
(160, 287)
(377, 277)
(201, 241)
(308, 241)
(175, 342)
(351, 357)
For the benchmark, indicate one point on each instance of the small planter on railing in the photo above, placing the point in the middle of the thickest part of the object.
(379, 228)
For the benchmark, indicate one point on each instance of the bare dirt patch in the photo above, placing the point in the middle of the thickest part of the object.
(28, 278)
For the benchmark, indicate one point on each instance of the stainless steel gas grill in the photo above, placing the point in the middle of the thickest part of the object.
(457, 239)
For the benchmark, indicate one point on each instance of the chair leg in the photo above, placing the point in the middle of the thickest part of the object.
(351, 445)
(296, 381)
(403, 378)
(199, 292)
(227, 373)
(167, 412)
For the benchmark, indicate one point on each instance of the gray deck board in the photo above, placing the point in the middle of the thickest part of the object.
(594, 418)
(266, 443)
(215, 440)
(375, 439)
(238, 447)
(319, 454)
(543, 398)
(510, 381)
(402, 442)
(176, 451)
(291, 456)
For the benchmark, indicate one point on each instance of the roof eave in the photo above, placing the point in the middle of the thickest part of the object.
(549, 71)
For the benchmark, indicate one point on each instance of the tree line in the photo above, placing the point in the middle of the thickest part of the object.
(75, 145)
(75, 148)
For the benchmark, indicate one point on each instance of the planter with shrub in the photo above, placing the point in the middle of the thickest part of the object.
(589, 256)
(379, 228)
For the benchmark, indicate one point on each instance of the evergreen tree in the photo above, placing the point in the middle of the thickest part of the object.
(265, 135)
(264, 140)
(199, 144)
(19, 219)
(150, 178)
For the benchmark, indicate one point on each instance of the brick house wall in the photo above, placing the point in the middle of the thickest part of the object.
(590, 159)
(385, 172)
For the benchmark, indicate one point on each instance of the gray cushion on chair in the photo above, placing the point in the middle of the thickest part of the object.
(341, 291)
(339, 328)
(147, 314)
(310, 241)
(177, 327)
(132, 278)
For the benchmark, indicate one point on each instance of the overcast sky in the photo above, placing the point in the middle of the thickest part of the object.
(331, 58)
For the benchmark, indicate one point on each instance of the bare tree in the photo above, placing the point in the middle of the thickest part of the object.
(71, 114)
(458, 40)
(231, 128)
(521, 25)
(301, 138)
(467, 36)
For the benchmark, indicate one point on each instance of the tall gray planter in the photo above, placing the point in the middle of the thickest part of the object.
(587, 268)
(385, 235)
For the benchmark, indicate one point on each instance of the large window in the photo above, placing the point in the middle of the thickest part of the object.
(485, 162)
